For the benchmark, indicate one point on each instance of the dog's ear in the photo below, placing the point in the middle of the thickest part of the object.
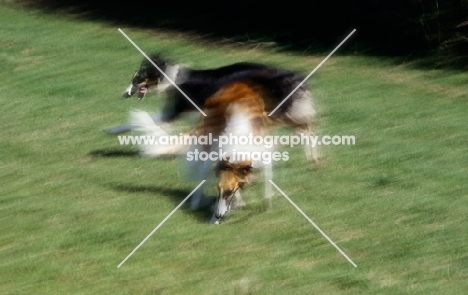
(225, 165)
(244, 173)
(222, 165)
(158, 59)
(153, 56)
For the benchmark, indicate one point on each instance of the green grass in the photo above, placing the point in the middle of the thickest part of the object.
(74, 204)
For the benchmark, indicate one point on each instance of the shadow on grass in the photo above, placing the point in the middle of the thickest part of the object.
(125, 153)
(244, 218)
(114, 153)
(203, 214)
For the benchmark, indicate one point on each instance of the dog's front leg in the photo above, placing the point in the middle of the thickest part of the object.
(268, 189)
(196, 199)
(310, 149)
(214, 219)
(238, 201)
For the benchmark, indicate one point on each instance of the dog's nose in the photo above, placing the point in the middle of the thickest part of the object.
(128, 91)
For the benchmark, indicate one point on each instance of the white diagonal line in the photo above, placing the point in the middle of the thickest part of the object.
(323, 234)
(311, 73)
(162, 72)
(160, 224)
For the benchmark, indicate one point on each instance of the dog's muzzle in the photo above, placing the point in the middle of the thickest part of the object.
(131, 89)
(224, 205)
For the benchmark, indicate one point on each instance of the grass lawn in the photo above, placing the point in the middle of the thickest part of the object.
(74, 203)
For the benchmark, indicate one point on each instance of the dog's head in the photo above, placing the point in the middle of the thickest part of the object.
(146, 76)
(231, 177)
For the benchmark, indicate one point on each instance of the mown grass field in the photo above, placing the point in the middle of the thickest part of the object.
(74, 204)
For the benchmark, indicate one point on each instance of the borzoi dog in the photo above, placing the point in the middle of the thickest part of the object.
(236, 110)
(297, 112)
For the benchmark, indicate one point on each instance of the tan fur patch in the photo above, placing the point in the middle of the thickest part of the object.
(247, 98)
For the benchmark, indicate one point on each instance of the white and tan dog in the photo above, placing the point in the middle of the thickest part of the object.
(237, 109)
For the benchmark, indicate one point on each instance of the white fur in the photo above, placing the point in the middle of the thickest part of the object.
(303, 111)
(239, 125)
(172, 72)
(128, 90)
(144, 125)
(222, 207)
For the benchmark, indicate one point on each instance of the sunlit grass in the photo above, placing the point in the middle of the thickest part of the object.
(74, 204)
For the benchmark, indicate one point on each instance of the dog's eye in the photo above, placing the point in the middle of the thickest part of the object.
(138, 79)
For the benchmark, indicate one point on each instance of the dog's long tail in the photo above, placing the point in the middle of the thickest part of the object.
(153, 141)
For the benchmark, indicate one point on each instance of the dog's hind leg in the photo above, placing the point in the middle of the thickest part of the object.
(310, 143)
(301, 115)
